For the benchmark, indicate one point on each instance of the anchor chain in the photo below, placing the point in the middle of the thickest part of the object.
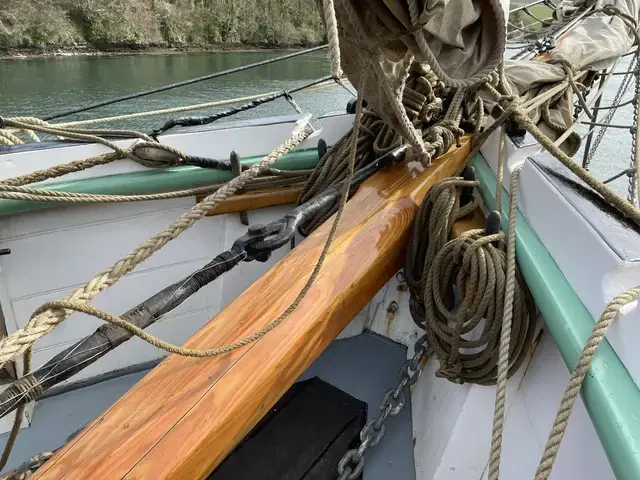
(633, 181)
(352, 463)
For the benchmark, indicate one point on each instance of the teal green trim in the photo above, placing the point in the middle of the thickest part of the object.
(154, 181)
(609, 393)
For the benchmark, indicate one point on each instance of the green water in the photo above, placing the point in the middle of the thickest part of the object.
(46, 86)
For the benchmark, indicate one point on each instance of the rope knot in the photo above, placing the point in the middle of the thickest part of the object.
(30, 388)
(509, 102)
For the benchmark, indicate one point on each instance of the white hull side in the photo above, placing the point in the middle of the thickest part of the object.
(56, 250)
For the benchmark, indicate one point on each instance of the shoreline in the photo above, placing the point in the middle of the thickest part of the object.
(88, 51)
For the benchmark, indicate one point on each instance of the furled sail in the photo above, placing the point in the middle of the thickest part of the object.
(463, 41)
(465, 37)
(596, 43)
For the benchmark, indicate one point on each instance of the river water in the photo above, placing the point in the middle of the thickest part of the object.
(45, 86)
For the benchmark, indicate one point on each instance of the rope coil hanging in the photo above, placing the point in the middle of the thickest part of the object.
(457, 289)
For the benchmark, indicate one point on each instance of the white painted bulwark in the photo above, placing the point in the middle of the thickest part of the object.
(56, 250)
(585, 254)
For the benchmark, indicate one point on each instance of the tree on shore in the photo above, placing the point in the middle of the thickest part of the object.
(108, 24)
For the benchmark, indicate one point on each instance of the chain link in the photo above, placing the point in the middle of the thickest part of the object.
(351, 465)
(624, 86)
(632, 190)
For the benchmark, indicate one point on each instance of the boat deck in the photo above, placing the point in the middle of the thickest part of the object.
(364, 366)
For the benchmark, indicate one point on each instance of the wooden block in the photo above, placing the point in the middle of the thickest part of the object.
(473, 221)
(187, 414)
(256, 199)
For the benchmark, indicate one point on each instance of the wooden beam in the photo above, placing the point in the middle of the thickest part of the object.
(187, 414)
(256, 199)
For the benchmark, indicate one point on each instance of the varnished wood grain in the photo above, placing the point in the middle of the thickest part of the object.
(187, 414)
(475, 220)
(257, 199)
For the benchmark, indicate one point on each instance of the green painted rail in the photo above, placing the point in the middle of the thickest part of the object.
(154, 181)
(609, 393)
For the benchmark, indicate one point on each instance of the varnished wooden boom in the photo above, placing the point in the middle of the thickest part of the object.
(186, 415)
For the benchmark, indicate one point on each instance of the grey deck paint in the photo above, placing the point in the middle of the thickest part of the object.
(364, 366)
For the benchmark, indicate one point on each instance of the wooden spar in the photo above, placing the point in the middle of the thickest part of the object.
(256, 199)
(187, 414)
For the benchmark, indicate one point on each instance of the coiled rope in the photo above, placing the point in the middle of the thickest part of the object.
(422, 101)
(476, 264)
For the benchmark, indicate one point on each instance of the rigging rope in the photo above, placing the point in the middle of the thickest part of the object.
(577, 377)
(487, 278)
(439, 210)
(332, 35)
(43, 322)
(421, 101)
(49, 315)
(183, 83)
(81, 306)
(8, 137)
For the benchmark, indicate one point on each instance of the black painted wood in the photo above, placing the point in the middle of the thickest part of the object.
(302, 437)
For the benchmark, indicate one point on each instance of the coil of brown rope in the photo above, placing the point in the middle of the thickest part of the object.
(439, 270)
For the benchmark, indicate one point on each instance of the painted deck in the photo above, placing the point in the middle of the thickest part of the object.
(363, 366)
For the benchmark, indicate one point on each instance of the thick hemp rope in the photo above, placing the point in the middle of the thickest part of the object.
(506, 330)
(43, 195)
(475, 263)
(434, 263)
(332, 36)
(421, 100)
(370, 62)
(214, 352)
(69, 304)
(577, 377)
(42, 323)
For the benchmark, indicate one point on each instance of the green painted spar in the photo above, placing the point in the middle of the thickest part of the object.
(609, 393)
(154, 181)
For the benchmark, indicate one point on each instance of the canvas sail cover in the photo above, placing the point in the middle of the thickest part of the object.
(467, 37)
